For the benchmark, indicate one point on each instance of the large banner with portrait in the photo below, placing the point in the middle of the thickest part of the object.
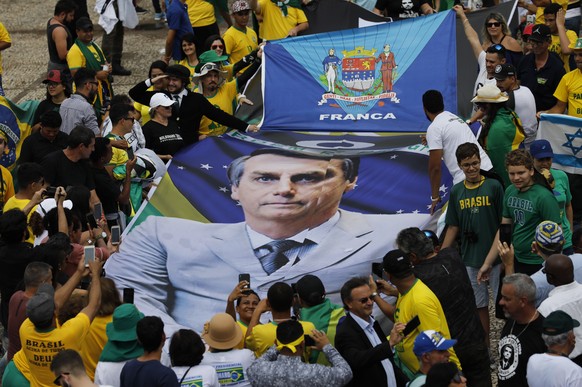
(341, 200)
(365, 79)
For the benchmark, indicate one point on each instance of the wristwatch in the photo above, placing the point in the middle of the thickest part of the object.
(373, 295)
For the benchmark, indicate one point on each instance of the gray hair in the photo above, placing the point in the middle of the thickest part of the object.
(560, 339)
(36, 273)
(413, 240)
(524, 286)
(236, 168)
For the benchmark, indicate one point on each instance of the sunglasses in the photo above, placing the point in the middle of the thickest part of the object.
(493, 24)
(365, 299)
(215, 46)
(498, 47)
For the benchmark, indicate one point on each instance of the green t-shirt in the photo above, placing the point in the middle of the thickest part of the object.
(563, 196)
(527, 210)
(476, 210)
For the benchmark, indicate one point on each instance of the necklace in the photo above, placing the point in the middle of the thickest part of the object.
(523, 330)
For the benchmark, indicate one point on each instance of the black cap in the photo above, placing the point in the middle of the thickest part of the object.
(503, 71)
(310, 289)
(397, 264)
(540, 33)
(84, 23)
(178, 71)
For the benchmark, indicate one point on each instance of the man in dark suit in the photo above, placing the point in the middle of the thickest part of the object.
(190, 106)
(360, 340)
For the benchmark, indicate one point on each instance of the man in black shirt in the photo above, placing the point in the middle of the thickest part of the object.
(542, 70)
(445, 274)
(70, 166)
(521, 336)
(47, 140)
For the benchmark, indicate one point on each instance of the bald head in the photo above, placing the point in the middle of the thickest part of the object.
(559, 270)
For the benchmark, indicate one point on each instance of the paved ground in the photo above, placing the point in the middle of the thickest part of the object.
(25, 62)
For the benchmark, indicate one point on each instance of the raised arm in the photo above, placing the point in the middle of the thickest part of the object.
(470, 33)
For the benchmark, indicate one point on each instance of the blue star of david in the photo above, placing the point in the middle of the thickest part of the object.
(571, 138)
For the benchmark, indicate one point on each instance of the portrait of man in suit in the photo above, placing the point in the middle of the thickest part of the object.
(184, 270)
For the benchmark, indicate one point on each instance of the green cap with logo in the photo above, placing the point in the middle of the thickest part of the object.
(577, 45)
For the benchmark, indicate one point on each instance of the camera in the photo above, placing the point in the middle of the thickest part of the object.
(50, 192)
(471, 236)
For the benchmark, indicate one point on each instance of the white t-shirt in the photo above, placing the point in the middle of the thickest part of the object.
(482, 79)
(231, 367)
(567, 298)
(545, 370)
(525, 107)
(447, 132)
(200, 375)
(109, 373)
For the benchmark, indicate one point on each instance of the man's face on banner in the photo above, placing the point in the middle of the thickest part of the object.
(280, 188)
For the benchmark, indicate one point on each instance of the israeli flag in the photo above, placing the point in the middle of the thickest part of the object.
(565, 135)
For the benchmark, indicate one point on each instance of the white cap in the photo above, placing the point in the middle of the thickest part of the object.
(160, 99)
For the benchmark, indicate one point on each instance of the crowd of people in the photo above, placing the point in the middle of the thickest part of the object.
(512, 230)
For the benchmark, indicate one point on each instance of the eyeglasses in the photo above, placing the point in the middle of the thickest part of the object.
(216, 46)
(365, 299)
(52, 84)
(474, 164)
(458, 378)
(493, 24)
(57, 381)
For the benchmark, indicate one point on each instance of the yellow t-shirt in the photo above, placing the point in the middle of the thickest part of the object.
(13, 202)
(94, 342)
(193, 81)
(144, 110)
(243, 328)
(540, 11)
(200, 13)
(569, 90)
(239, 43)
(120, 156)
(275, 25)
(557, 48)
(6, 186)
(39, 348)
(4, 37)
(263, 337)
(224, 99)
(76, 59)
(420, 301)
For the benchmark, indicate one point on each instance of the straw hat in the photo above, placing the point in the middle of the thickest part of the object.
(490, 93)
(222, 332)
